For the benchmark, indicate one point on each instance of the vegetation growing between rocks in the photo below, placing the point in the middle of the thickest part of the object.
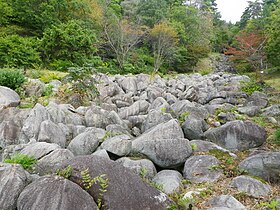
(26, 161)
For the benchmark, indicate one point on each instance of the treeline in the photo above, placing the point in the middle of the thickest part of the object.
(116, 36)
(256, 44)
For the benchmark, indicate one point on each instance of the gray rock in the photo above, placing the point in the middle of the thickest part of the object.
(200, 169)
(138, 108)
(257, 99)
(137, 121)
(160, 104)
(251, 186)
(13, 179)
(143, 167)
(121, 181)
(51, 133)
(170, 180)
(31, 125)
(46, 164)
(55, 84)
(129, 84)
(191, 94)
(86, 142)
(64, 113)
(166, 130)
(272, 111)
(194, 127)
(8, 97)
(116, 129)
(166, 153)
(265, 165)
(62, 193)
(250, 110)
(237, 135)
(154, 92)
(226, 201)
(118, 145)
(39, 149)
(154, 118)
(205, 146)
(9, 133)
(101, 153)
(171, 99)
(35, 87)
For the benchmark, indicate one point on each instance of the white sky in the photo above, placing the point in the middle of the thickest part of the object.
(231, 10)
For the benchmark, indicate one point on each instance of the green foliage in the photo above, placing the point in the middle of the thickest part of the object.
(182, 117)
(12, 78)
(17, 51)
(25, 160)
(68, 43)
(83, 81)
(250, 87)
(276, 138)
(88, 182)
(272, 205)
(49, 76)
(48, 90)
(66, 172)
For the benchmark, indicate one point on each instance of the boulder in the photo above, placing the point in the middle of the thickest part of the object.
(250, 186)
(166, 153)
(8, 97)
(31, 125)
(129, 84)
(34, 87)
(39, 149)
(257, 99)
(137, 108)
(265, 165)
(201, 168)
(154, 92)
(143, 167)
(154, 118)
(194, 127)
(46, 164)
(249, 110)
(9, 133)
(13, 179)
(237, 135)
(226, 201)
(101, 153)
(160, 104)
(170, 180)
(125, 190)
(51, 133)
(55, 192)
(86, 142)
(119, 145)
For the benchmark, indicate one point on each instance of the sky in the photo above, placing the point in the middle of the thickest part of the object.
(231, 10)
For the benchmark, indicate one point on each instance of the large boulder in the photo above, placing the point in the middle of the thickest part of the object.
(143, 167)
(8, 97)
(9, 133)
(129, 84)
(39, 149)
(194, 127)
(55, 192)
(265, 165)
(137, 108)
(250, 186)
(170, 180)
(51, 133)
(227, 202)
(125, 190)
(201, 168)
(13, 179)
(31, 125)
(86, 142)
(237, 135)
(46, 164)
(119, 145)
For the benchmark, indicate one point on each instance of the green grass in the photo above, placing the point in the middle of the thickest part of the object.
(25, 160)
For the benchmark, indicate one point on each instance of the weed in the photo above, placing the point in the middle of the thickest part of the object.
(25, 160)
(182, 117)
(48, 90)
(250, 87)
(271, 205)
(143, 172)
(276, 138)
(66, 173)
(194, 147)
(88, 181)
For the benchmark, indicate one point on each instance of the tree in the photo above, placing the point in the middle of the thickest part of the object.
(250, 48)
(252, 12)
(163, 39)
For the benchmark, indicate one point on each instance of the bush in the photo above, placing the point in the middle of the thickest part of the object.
(276, 138)
(16, 51)
(12, 78)
(25, 160)
(68, 43)
(250, 87)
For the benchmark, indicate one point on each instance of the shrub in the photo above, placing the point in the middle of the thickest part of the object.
(12, 78)
(276, 138)
(25, 160)
(250, 87)
(16, 51)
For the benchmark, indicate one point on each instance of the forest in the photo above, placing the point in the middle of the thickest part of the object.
(135, 36)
